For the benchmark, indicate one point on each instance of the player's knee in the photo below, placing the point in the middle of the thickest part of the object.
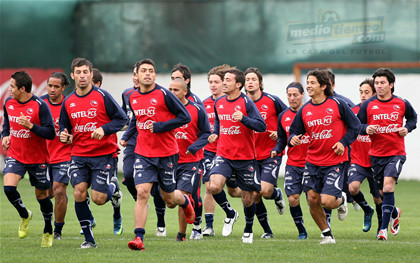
(330, 203)
(294, 200)
(353, 189)
(266, 192)
(59, 192)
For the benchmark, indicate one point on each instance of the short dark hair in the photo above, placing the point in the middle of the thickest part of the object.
(385, 72)
(323, 79)
(370, 83)
(97, 76)
(136, 66)
(219, 71)
(239, 75)
(78, 62)
(258, 73)
(61, 76)
(145, 61)
(186, 72)
(23, 80)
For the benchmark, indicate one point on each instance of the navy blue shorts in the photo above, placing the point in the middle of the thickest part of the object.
(160, 170)
(390, 166)
(359, 173)
(245, 172)
(59, 172)
(207, 165)
(96, 171)
(187, 175)
(324, 179)
(293, 180)
(269, 169)
(38, 173)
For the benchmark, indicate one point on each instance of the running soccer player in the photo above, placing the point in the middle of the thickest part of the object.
(60, 153)
(270, 107)
(236, 119)
(157, 113)
(27, 125)
(295, 165)
(332, 127)
(88, 118)
(191, 138)
(382, 117)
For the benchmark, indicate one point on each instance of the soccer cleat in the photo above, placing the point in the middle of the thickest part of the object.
(189, 212)
(356, 206)
(118, 228)
(57, 236)
(23, 227)
(395, 223)
(92, 223)
(180, 237)
(117, 196)
(47, 240)
(382, 235)
(327, 240)
(136, 244)
(342, 209)
(160, 232)
(280, 204)
(195, 235)
(367, 223)
(208, 231)
(248, 238)
(303, 236)
(267, 236)
(86, 244)
(228, 224)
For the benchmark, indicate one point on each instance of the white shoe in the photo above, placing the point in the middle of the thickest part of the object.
(382, 235)
(267, 236)
(342, 209)
(208, 231)
(394, 223)
(327, 240)
(280, 204)
(356, 206)
(228, 224)
(195, 235)
(248, 238)
(160, 232)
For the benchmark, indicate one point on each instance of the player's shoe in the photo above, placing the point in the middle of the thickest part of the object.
(342, 209)
(367, 222)
(23, 227)
(356, 206)
(57, 236)
(267, 236)
(47, 240)
(86, 244)
(382, 235)
(303, 236)
(117, 196)
(92, 224)
(327, 240)
(228, 224)
(136, 244)
(208, 231)
(395, 223)
(195, 235)
(248, 238)
(189, 212)
(160, 232)
(280, 204)
(180, 237)
(118, 227)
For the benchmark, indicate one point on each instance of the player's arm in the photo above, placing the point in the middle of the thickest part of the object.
(254, 120)
(296, 130)
(204, 131)
(362, 116)
(115, 113)
(352, 122)
(46, 129)
(5, 139)
(410, 116)
(281, 138)
(65, 125)
(215, 133)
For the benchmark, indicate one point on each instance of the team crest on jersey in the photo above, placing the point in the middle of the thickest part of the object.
(375, 107)
(43, 166)
(237, 107)
(153, 101)
(330, 111)
(396, 107)
(308, 113)
(134, 101)
(94, 103)
(11, 107)
(170, 165)
(264, 107)
(30, 111)
(72, 105)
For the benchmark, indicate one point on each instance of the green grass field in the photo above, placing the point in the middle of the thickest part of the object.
(353, 245)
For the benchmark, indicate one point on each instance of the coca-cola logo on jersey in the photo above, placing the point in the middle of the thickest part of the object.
(22, 133)
(181, 135)
(325, 134)
(144, 125)
(232, 130)
(264, 115)
(387, 129)
(88, 127)
(327, 120)
(363, 138)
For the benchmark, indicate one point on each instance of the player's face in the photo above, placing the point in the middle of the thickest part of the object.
(314, 88)
(146, 75)
(252, 82)
(178, 90)
(135, 79)
(295, 98)
(82, 77)
(229, 83)
(55, 89)
(382, 86)
(178, 75)
(365, 92)
(15, 93)
(216, 85)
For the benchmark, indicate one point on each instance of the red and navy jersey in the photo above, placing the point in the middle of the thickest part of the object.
(326, 124)
(192, 97)
(193, 136)
(237, 138)
(360, 147)
(296, 156)
(163, 109)
(59, 152)
(346, 100)
(389, 115)
(270, 107)
(126, 108)
(28, 146)
(82, 115)
(209, 106)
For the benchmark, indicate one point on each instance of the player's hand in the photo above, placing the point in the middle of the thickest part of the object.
(371, 129)
(98, 133)
(5, 142)
(65, 136)
(123, 143)
(338, 148)
(273, 135)
(238, 115)
(295, 141)
(22, 120)
(188, 152)
(273, 154)
(403, 131)
(212, 138)
(150, 127)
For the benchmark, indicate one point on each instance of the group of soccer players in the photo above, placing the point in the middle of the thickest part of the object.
(173, 141)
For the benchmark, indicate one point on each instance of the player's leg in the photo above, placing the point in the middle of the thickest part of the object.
(60, 180)
(160, 208)
(249, 211)
(116, 200)
(261, 212)
(196, 232)
(209, 202)
(128, 171)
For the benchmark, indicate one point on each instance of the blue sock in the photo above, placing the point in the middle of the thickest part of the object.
(58, 227)
(360, 199)
(379, 214)
(275, 195)
(160, 208)
(111, 190)
(209, 219)
(14, 198)
(297, 215)
(328, 215)
(387, 207)
(187, 201)
(249, 217)
(140, 232)
(261, 213)
(221, 199)
(88, 203)
(84, 214)
(47, 212)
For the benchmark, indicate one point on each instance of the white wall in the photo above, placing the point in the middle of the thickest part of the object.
(346, 85)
